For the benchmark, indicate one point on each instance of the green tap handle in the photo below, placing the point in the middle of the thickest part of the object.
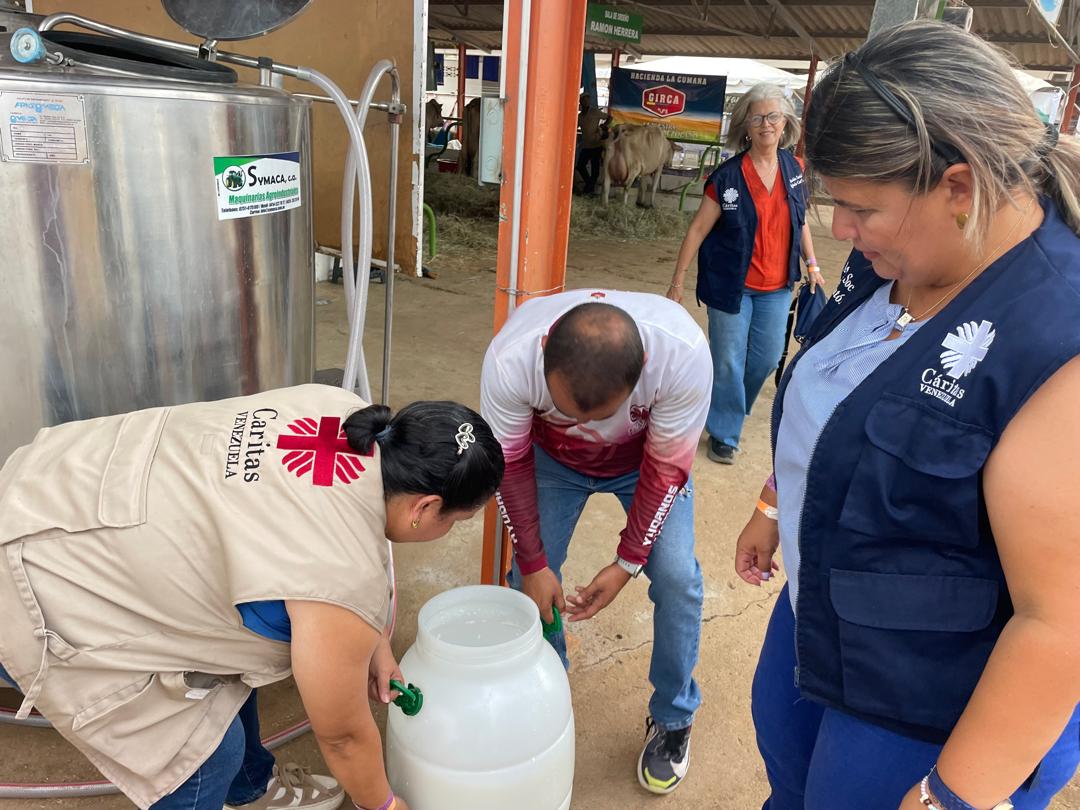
(411, 699)
(555, 626)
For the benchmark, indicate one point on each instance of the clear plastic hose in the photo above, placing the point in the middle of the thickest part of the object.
(357, 173)
(355, 367)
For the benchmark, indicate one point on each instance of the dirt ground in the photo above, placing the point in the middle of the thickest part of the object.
(441, 328)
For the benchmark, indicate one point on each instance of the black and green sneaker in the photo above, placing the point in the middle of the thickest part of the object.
(664, 759)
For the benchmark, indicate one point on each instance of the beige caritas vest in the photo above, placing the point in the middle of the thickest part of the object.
(126, 543)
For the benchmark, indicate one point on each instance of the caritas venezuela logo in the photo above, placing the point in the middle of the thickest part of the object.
(320, 448)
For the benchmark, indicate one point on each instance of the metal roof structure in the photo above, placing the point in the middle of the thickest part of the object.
(779, 29)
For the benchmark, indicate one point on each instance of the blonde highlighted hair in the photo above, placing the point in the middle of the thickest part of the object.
(962, 96)
(739, 128)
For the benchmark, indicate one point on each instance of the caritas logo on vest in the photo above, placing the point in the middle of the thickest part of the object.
(965, 347)
(317, 446)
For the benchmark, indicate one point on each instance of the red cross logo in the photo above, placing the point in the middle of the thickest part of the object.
(322, 449)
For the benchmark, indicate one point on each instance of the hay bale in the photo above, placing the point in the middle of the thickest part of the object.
(466, 232)
(588, 218)
(460, 195)
(468, 216)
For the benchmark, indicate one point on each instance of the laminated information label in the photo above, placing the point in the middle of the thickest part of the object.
(42, 128)
(251, 185)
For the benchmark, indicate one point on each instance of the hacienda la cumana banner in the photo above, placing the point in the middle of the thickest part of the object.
(687, 108)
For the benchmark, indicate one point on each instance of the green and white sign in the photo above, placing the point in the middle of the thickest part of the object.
(251, 185)
(611, 22)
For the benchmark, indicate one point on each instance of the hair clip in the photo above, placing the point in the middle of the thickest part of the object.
(946, 151)
(464, 437)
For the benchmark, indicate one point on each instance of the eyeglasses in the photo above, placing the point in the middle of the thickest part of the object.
(773, 118)
(946, 151)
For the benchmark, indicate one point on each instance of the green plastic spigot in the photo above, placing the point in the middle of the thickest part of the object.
(411, 699)
(554, 626)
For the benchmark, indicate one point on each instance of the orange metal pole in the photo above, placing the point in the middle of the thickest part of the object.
(616, 55)
(807, 94)
(461, 57)
(556, 43)
(1068, 121)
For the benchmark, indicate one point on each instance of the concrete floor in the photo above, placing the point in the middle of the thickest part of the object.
(441, 329)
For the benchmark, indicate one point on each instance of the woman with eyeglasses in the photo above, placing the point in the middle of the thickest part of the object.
(925, 652)
(748, 235)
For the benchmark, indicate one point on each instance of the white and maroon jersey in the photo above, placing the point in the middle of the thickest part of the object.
(656, 430)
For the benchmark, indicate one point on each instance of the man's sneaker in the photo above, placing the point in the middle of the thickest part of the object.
(721, 453)
(296, 788)
(664, 759)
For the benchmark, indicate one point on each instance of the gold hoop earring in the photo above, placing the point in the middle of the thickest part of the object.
(416, 524)
(961, 221)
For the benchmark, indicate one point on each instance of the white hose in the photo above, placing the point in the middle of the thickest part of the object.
(357, 172)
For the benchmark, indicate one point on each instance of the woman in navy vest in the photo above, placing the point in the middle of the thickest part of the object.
(748, 234)
(925, 651)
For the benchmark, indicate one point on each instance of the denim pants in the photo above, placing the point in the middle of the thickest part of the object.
(822, 759)
(236, 773)
(675, 584)
(746, 348)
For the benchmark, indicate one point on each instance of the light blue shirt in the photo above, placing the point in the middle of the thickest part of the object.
(823, 378)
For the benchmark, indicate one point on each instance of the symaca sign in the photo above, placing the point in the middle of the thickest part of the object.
(663, 100)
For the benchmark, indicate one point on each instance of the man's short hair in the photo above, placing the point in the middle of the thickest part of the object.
(598, 351)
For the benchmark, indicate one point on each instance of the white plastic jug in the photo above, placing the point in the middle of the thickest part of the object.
(496, 730)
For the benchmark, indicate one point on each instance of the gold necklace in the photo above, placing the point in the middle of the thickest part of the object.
(906, 317)
(769, 174)
(769, 171)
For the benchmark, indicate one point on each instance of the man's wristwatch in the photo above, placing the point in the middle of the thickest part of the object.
(633, 569)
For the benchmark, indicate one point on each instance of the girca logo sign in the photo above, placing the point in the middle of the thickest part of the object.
(965, 348)
(663, 101)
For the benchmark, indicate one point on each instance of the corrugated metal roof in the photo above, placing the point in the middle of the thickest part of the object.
(759, 29)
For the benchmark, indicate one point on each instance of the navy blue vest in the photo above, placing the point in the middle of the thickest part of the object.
(901, 592)
(724, 255)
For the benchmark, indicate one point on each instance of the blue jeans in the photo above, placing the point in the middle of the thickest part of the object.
(818, 758)
(746, 349)
(236, 773)
(675, 584)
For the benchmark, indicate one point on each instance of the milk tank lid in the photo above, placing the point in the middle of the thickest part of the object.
(232, 19)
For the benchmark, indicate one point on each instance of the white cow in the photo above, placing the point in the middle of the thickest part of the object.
(637, 150)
